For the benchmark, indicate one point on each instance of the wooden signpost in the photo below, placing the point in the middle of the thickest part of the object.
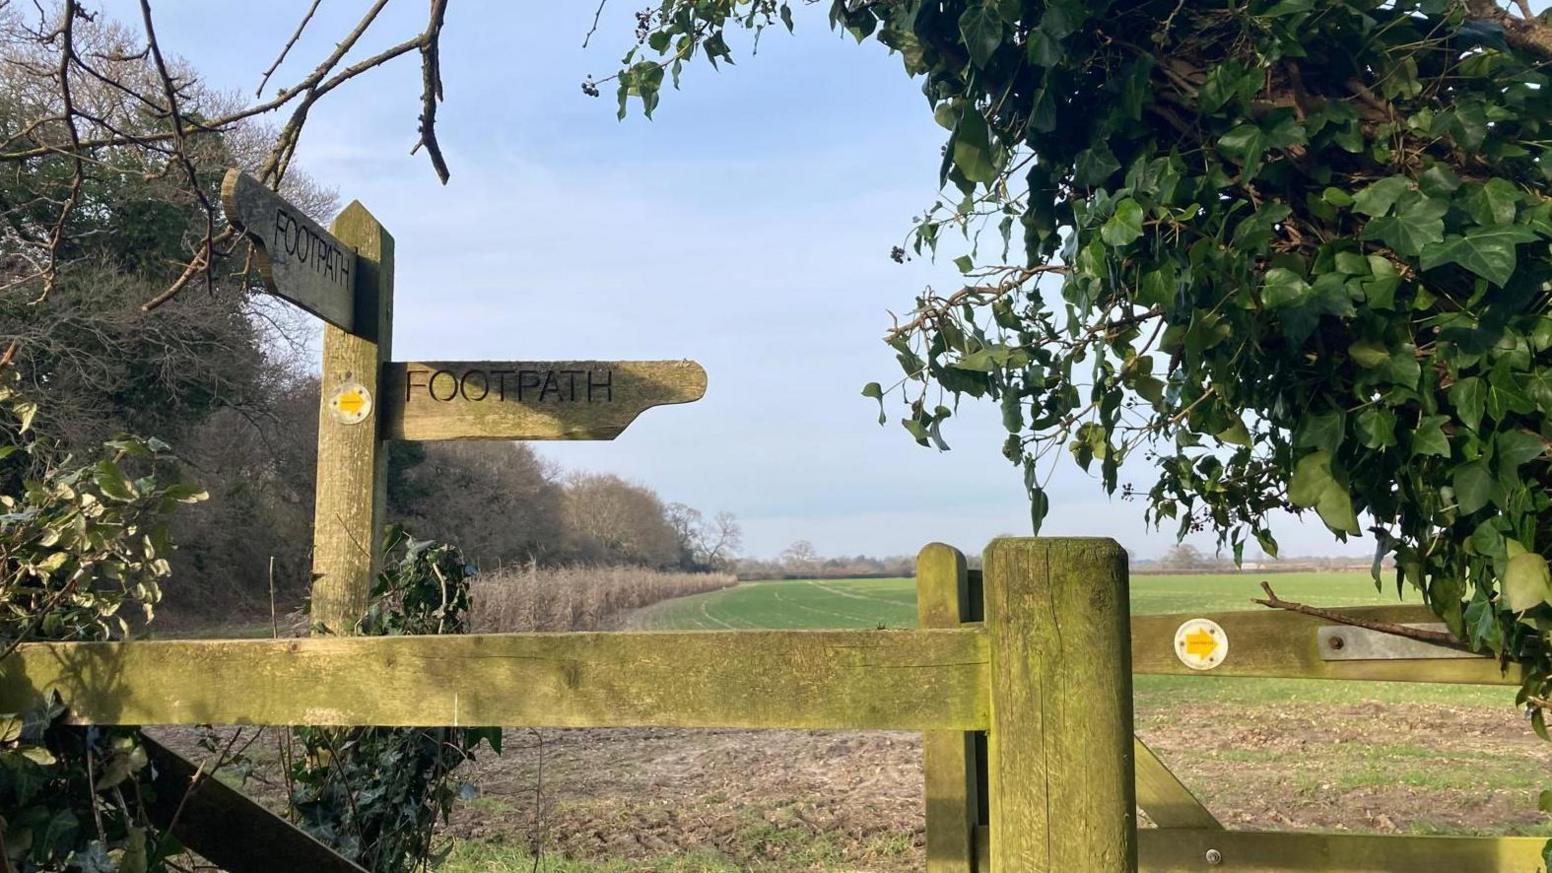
(344, 275)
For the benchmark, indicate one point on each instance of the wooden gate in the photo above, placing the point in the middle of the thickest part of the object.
(962, 829)
(1021, 685)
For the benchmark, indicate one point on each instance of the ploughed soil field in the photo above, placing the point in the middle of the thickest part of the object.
(1262, 754)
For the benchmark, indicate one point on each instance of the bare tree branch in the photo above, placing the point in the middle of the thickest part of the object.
(286, 49)
(431, 88)
(1438, 638)
(144, 115)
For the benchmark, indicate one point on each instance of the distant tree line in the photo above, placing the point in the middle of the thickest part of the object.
(801, 561)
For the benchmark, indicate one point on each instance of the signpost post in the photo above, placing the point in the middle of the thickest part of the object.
(345, 276)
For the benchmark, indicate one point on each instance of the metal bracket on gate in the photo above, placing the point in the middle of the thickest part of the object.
(1342, 642)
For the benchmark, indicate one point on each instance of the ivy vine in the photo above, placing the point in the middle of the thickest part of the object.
(1291, 255)
(376, 794)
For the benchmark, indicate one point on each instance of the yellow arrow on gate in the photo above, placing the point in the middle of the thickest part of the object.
(1201, 643)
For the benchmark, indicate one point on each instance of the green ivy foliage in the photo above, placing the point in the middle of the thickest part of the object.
(79, 545)
(1293, 254)
(375, 794)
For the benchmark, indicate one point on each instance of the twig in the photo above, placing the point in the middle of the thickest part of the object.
(597, 14)
(274, 622)
(431, 88)
(67, 57)
(170, 91)
(196, 782)
(286, 49)
(1438, 638)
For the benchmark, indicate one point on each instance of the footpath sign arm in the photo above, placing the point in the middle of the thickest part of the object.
(299, 260)
(529, 400)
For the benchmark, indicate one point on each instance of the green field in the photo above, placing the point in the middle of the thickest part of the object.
(891, 603)
(849, 603)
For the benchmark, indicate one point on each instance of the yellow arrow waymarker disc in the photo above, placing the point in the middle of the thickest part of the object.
(1201, 644)
(351, 404)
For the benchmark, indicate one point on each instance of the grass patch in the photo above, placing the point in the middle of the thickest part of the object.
(481, 856)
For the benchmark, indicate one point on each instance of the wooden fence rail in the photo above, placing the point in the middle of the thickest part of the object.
(909, 680)
(1020, 683)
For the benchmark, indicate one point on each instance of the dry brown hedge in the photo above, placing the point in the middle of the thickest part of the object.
(576, 598)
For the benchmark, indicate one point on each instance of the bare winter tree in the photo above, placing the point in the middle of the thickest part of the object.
(86, 103)
(722, 539)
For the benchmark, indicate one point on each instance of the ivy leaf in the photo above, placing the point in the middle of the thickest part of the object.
(1314, 484)
(1515, 448)
(1125, 226)
(1488, 252)
(981, 28)
(1376, 427)
(1236, 434)
(1469, 397)
(973, 148)
(1481, 32)
(1095, 166)
(1299, 304)
(1428, 438)
(1418, 222)
(1527, 583)
(1244, 145)
(1439, 181)
(1495, 202)
(876, 391)
(1284, 288)
(1039, 505)
(1376, 200)
(1474, 487)
(1368, 354)
(1323, 431)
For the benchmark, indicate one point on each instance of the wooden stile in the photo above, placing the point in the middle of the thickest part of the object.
(352, 460)
(1060, 743)
(948, 757)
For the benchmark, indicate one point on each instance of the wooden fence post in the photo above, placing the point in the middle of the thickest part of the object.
(1060, 745)
(352, 460)
(948, 757)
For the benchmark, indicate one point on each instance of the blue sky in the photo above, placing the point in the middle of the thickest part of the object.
(747, 226)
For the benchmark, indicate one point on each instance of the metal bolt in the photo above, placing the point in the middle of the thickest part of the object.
(1336, 642)
(1214, 857)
